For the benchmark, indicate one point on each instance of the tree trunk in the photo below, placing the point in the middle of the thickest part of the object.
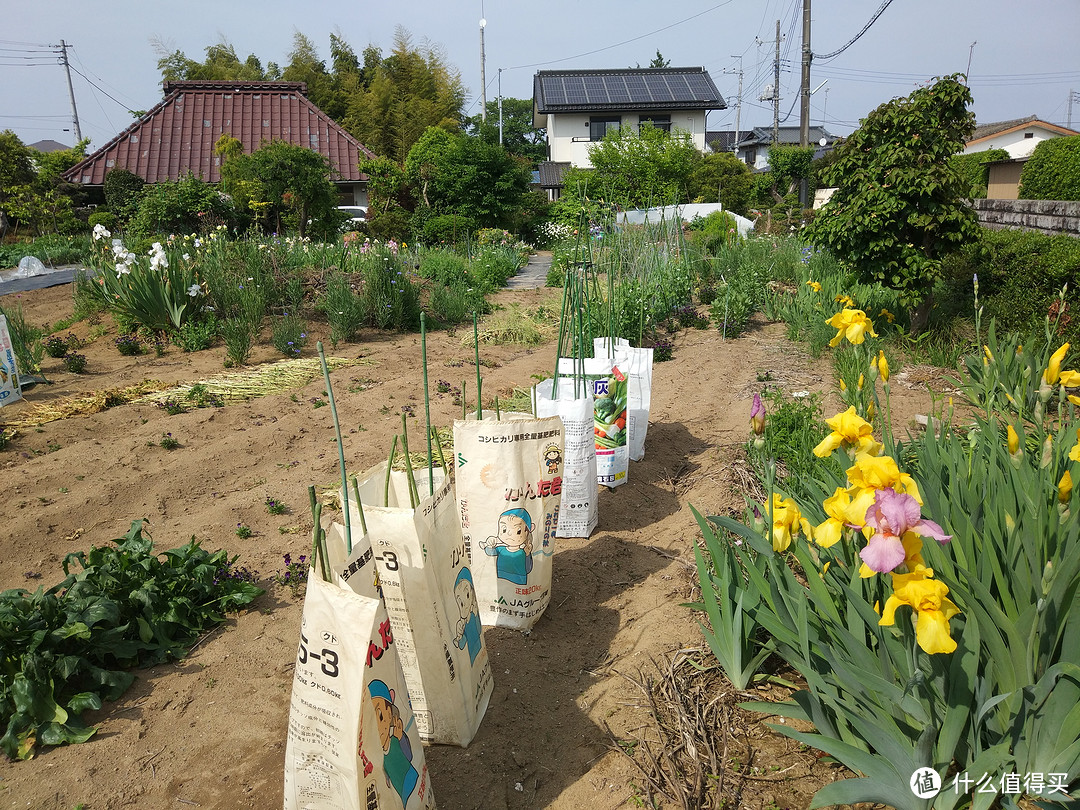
(921, 314)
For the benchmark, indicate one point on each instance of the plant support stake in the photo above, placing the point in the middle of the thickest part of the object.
(340, 448)
(427, 401)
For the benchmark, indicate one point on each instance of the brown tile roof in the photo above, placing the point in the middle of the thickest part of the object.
(983, 131)
(179, 133)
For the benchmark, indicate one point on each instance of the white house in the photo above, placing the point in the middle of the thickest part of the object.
(578, 107)
(1018, 137)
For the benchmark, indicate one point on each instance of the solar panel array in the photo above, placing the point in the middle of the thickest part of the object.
(636, 88)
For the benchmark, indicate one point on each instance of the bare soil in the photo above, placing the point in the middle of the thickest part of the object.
(209, 731)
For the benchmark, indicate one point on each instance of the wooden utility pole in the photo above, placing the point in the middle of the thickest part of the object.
(71, 90)
(804, 92)
(776, 90)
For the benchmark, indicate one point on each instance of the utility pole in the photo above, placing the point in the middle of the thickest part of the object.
(776, 90)
(71, 91)
(738, 103)
(483, 68)
(500, 108)
(804, 93)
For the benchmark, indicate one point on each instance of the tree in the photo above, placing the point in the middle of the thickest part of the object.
(721, 177)
(16, 170)
(453, 173)
(221, 64)
(898, 208)
(520, 137)
(643, 168)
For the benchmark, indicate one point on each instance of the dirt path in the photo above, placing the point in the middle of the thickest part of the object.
(209, 731)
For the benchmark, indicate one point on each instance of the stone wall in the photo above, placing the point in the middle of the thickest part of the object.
(1046, 216)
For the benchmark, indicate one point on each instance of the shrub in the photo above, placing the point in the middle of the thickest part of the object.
(55, 346)
(1053, 171)
(75, 362)
(128, 345)
(343, 308)
(975, 171)
(443, 266)
(105, 219)
(714, 231)
(197, 334)
(449, 228)
(180, 207)
(123, 190)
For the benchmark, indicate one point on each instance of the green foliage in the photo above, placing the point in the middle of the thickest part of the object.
(289, 335)
(493, 265)
(187, 206)
(52, 249)
(68, 648)
(390, 299)
(712, 232)
(443, 266)
(897, 209)
(446, 229)
(123, 190)
(197, 334)
(519, 136)
(239, 335)
(1053, 171)
(723, 178)
(106, 219)
(343, 308)
(793, 427)
(975, 171)
(647, 167)
(788, 165)
(26, 340)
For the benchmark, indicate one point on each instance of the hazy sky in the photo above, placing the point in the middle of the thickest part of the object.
(1025, 59)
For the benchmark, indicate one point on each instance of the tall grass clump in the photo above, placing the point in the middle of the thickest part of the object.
(391, 300)
(344, 309)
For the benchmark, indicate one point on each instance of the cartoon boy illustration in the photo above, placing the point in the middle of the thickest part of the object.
(552, 459)
(397, 750)
(512, 547)
(468, 627)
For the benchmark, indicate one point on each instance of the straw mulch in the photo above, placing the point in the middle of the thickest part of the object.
(83, 404)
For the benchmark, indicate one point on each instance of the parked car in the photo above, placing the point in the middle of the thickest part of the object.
(356, 216)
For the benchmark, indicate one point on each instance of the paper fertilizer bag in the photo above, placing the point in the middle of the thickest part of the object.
(636, 364)
(429, 593)
(9, 375)
(352, 740)
(610, 433)
(579, 510)
(509, 485)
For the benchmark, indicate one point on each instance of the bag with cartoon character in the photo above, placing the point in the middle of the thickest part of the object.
(610, 431)
(509, 498)
(578, 512)
(352, 739)
(637, 365)
(428, 589)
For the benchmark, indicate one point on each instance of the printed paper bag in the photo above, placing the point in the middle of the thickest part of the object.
(637, 365)
(352, 740)
(509, 485)
(428, 589)
(579, 511)
(609, 390)
(9, 374)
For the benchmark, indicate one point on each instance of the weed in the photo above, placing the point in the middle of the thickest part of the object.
(275, 507)
(316, 402)
(55, 346)
(295, 573)
(201, 397)
(290, 335)
(168, 442)
(97, 331)
(171, 406)
(243, 531)
(196, 334)
(662, 350)
(385, 410)
(75, 362)
(128, 345)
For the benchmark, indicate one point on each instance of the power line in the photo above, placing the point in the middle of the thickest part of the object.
(884, 5)
(624, 42)
(122, 104)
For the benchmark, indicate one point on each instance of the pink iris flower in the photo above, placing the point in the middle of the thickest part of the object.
(892, 515)
(757, 415)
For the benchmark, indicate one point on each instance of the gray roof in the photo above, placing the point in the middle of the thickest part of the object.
(48, 145)
(986, 130)
(785, 135)
(561, 91)
(721, 140)
(551, 173)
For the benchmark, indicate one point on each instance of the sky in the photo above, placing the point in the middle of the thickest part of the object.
(1022, 57)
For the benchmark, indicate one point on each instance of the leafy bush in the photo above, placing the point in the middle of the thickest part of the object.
(68, 648)
(447, 228)
(1053, 171)
(714, 231)
(105, 219)
(975, 171)
(197, 334)
(186, 206)
(123, 190)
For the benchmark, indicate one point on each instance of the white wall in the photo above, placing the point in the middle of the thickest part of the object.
(1015, 142)
(563, 129)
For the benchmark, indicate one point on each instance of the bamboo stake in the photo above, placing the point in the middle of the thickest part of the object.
(438, 446)
(476, 345)
(389, 467)
(414, 496)
(318, 536)
(340, 448)
(427, 401)
(359, 504)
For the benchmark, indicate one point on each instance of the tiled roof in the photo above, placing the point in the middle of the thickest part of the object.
(551, 173)
(785, 135)
(556, 91)
(983, 131)
(721, 140)
(48, 145)
(178, 135)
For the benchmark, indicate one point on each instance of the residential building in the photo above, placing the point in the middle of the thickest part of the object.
(579, 107)
(178, 135)
(1018, 137)
(753, 146)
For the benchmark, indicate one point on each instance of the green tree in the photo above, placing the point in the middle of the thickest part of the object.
(898, 209)
(123, 190)
(16, 171)
(643, 168)
(976, 171)
(721, 177)
(451, 173)
(1053, 171)
(410, 90)
(221, 64)
(520, 137)
(186, 206)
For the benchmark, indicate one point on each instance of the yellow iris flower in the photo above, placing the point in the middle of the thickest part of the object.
(1013, 440)
(883, 366)
(1074, 454)
(851, 324)
(1065, 487)
(787, 520)
(813, 285)
(1053, 370)
(929, 598)
(871, 473)
(850, 431)
(829, 532)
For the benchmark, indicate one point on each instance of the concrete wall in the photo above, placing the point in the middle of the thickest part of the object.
(1045, 216)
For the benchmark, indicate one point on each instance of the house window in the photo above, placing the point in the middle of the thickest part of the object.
(659, 121)
(1029, 134)
(599, 127)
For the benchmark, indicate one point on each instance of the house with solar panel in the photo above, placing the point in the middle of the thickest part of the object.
(579, 107)
(177, 135)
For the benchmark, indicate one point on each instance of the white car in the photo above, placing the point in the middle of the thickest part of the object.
(357, 216)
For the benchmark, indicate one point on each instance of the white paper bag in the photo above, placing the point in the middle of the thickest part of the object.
(509, 494)
(430, 596)
(610, 414)
(579, 510)
(352, 740)
(9, 372)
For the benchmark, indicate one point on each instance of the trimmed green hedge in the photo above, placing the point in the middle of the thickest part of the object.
(973, 168)
(1053, 171)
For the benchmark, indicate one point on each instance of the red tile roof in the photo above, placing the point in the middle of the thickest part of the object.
(179, 133)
